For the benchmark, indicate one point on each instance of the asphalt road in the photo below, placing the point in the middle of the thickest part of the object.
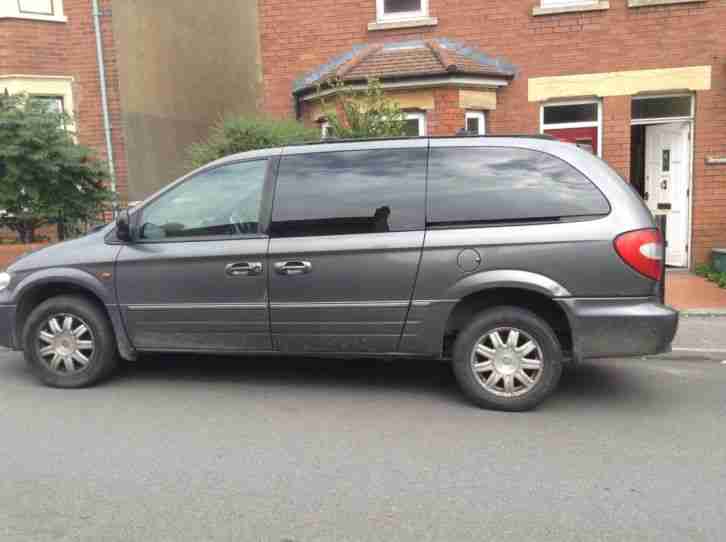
(232, 449)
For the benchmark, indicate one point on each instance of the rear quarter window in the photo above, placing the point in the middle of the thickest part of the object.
(507, 185)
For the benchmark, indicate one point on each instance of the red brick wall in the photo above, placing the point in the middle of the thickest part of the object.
(447, 117)
(30, 47)
(83, 65)
(297, 37)
(33, 47)
(709, 190)
(616, 133)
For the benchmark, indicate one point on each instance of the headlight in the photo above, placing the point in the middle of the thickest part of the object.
(5, 279)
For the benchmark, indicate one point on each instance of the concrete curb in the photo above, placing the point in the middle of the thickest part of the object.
(691, 355)
(711, 313)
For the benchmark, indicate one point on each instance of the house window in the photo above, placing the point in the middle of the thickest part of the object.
(549, 7)
(575, 122)
(53, 104)
(36, 7)
(398, 10)
(415, 124)
(326, 131)
(475, 122)
(44, 10)
(661, 108)
(566, 3)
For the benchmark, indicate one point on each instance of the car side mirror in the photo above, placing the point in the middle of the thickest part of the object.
(123, 227)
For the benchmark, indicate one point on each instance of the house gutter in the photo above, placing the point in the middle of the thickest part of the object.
(97, 14)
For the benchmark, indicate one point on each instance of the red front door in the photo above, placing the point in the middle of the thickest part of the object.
(585, 138)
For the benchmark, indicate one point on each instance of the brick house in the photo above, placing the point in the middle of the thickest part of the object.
(642, 83)
(159, 60)
(48, 50)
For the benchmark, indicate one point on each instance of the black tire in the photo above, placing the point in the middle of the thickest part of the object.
(101, 362)
(529, 323)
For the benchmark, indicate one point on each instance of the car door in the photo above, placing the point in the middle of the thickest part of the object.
(195, 276)
(346, 238)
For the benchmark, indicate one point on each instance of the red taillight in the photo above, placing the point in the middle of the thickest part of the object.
(643, 251)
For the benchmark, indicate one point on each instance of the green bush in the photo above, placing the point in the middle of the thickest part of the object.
(722, 280)
(359, 114)
(703, 269)
(713, 276)
(45, 176)
(240, 134)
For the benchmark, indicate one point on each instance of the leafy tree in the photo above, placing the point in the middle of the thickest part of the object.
(45, 176)
(239, 134)
(357, 114)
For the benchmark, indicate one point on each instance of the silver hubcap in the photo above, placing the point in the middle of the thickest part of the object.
(507, 362)
(65, 343)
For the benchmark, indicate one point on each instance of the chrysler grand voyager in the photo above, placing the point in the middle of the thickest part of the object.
(507, 256)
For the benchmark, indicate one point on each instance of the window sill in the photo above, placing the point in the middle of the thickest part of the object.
(410, 23)
(646, 3)
(45, 18)
(596, 5)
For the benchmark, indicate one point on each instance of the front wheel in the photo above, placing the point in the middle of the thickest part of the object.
(69, 342)
(507, 358)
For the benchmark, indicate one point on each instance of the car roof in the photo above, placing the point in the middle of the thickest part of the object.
(332, 145)
(587, 163)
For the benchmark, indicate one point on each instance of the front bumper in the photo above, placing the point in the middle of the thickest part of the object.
(618, 327)
(7, 326)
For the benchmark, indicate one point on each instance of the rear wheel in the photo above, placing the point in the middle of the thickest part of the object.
(507, 358)
(69, 342)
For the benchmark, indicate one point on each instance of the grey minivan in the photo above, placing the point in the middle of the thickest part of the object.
(509, 256)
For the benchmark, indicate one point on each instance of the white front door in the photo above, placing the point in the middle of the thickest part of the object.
(667, 178)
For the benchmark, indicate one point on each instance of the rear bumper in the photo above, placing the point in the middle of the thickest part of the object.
(620, 326)
(7, 326)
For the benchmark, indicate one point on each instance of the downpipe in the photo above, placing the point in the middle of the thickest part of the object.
(104, 104)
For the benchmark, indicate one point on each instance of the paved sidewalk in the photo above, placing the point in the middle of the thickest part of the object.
(700, 337)
(688, 292)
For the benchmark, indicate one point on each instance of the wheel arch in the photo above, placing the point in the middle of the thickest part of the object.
(531, 297)
(36, 289)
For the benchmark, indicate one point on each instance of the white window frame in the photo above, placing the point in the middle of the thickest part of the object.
(564, 125)
(384, 17)
(481, 117)
(324, 126)
(666, 120)
(43, 86)
(552, 7)
(11, 9)
(566, 3)
(421, 117)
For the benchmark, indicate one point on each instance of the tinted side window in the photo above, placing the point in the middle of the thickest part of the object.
(339, 193)
(224, 201)
(482, 185)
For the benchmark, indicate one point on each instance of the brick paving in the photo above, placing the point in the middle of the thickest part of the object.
(686, 291)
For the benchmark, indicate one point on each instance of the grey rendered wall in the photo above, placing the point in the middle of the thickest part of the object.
(182, 64)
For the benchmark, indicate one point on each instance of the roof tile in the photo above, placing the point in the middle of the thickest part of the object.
(406, 60)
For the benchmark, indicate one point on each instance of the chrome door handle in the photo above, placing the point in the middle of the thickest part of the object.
(293, 268)
(244, 269)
